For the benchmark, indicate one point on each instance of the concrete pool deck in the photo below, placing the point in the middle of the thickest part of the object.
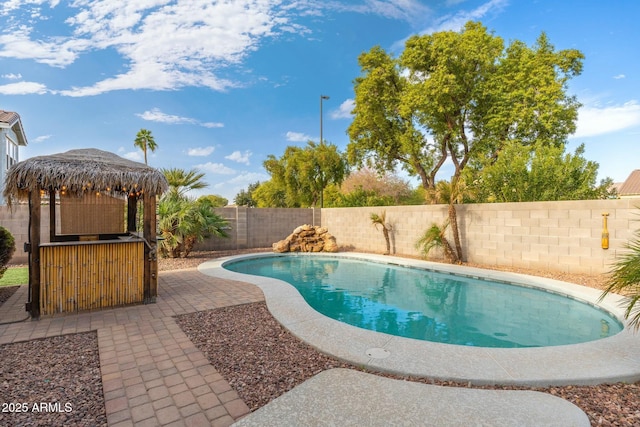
(608, 360)
(344, 397)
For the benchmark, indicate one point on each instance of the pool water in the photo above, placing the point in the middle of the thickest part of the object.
(432, 306)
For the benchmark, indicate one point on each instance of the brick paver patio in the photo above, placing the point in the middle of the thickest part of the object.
(152, 374)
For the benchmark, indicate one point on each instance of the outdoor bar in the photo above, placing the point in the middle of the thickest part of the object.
(98, 258)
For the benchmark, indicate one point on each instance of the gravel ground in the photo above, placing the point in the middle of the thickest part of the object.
(52, 382)
(261, 361)
(260, 365)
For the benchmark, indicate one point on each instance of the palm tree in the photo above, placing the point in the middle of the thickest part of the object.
(435, 237)
(381, 220)
(625, 279)
(145, 141)
(181, 181)
(183, 222)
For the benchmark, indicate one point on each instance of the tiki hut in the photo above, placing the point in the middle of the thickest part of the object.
(95, 257)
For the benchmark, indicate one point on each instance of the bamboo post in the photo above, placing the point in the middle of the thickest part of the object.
(33, 306)
(150, 249)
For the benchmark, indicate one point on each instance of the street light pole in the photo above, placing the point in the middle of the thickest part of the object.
(322, 97)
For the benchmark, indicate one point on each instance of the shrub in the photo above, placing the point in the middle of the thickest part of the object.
(625, 279)
(7, 248)
(435, 237)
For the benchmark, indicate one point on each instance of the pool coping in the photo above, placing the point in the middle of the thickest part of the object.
(608, 360)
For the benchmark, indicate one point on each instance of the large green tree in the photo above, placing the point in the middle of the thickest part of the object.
(145, 141)
(537, 173)
(459, 97)
(245, 197)
(213, 200)
(366, 187)
(300, 176)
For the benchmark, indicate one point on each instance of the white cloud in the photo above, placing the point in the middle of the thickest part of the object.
(217, 168)
(166, 44)
(136, 156)
(344, 111)
(596, 120)
(407, 10)
(297, 137)
(155, 115)
(41, 138)
(56, 52)
(231, 187)
(23, 88)
(12, 76)
(619, 76)
(212, 125)
(240, 157)
(249, 178)
(200, 151)
(456, 22)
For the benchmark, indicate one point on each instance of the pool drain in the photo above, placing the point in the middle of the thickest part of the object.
(378, 353)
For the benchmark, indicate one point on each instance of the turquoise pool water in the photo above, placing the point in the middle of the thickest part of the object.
(432, 306)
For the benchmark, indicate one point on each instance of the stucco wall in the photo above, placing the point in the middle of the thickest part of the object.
(558, 236)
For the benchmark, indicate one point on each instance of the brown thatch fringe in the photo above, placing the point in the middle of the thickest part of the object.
(79, 171)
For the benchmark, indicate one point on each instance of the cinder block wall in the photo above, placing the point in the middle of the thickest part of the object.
(258, 228)
(556, 236)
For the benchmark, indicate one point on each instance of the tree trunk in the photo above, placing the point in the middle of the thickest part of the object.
(449, 254)
(385, 231)
(453, 219)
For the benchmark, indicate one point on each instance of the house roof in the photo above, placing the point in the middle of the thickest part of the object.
(11, 120)
(631, 186)
(80, 171)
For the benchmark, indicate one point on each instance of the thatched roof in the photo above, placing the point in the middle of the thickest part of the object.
(78, 171)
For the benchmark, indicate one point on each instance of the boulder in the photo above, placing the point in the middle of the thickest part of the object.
(281, 246)
(307, 238)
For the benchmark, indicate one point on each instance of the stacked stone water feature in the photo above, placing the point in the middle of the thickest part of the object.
(307, 238)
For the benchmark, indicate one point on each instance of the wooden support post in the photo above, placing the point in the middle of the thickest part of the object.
(151, 249)
(52, 215)
(33, 306)
(132, 211)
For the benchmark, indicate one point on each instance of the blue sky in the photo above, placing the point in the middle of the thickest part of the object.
(223, 84)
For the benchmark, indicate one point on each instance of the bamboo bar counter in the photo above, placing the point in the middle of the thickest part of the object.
(95, 257)
(76, 276)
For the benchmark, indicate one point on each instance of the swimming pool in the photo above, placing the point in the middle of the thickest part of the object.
(607, 360)
(434, 306)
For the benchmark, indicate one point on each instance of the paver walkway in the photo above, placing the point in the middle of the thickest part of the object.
(152, 374)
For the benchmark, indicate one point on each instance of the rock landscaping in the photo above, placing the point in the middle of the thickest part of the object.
(307, 238)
